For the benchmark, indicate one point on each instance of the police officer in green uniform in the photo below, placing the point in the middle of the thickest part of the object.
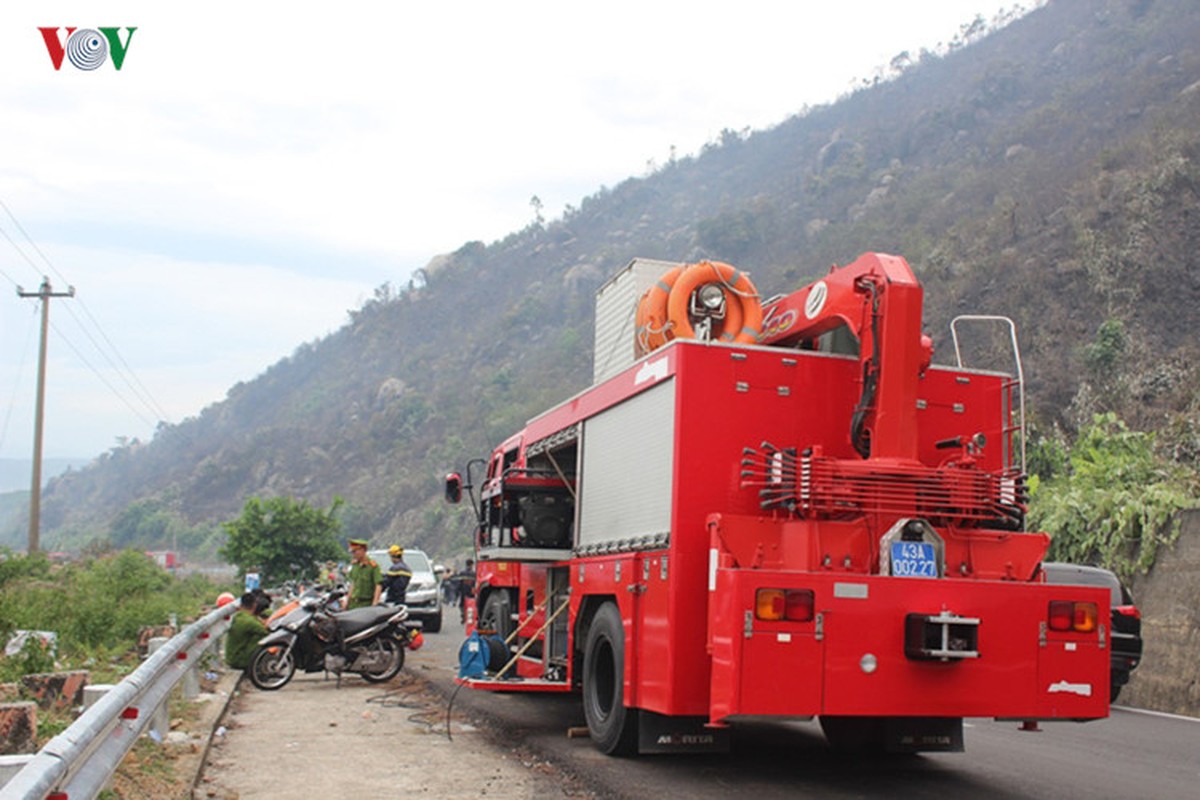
(365, 576)
(241, 640)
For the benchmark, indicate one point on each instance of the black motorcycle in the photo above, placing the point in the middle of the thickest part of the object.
(366, 641)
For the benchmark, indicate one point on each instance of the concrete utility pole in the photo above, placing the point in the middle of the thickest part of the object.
(35, 493)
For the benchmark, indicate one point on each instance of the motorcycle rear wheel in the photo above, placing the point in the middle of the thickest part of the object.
(395, 660)
(272, 667)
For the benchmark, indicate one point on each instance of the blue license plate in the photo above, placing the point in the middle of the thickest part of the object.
(914, 560)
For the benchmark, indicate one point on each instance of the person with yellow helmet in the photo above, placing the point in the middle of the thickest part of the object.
(396, 577)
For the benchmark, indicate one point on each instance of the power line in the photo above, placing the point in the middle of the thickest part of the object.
(29, 239)
(144, 394)
(12, 402)
(123, 370)
(20, 252)
(128, 375)
(100, 375)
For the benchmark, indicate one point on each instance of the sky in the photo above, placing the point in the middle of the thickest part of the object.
(254, 170)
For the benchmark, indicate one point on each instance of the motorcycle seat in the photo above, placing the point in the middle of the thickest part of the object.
(357, 619)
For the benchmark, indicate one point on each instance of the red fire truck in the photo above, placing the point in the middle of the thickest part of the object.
(776, 509)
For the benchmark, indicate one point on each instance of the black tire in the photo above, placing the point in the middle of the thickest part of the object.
(395, 660)
(272, 667)
(1117, 680)
(612, 726)
(497, 614)
(434, 624)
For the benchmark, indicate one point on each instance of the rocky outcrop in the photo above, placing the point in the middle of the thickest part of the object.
(1168, 679)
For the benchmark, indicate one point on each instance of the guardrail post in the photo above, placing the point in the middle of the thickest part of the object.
(160, 722)
(11, 765)
(189, 685)
(94, 692)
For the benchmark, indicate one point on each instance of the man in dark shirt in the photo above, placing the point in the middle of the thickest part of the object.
(245, 629)
(465, 582)
(396, 577)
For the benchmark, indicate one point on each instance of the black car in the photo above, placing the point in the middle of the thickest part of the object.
(1126, 635)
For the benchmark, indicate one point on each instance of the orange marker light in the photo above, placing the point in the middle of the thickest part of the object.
(769, 604)
(1066, 615)
(1086, 617)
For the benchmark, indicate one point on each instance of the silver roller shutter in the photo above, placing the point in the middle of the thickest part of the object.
(627, 470)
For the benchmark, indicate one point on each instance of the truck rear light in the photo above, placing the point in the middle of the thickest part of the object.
(798, 605)
(795, 605)
(1068, 615)
(769, 604)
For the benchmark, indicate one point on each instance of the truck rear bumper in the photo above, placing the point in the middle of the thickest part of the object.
(856, 656)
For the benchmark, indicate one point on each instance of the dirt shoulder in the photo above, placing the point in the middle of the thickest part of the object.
(312, 738)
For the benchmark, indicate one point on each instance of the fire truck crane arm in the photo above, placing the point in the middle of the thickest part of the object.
(878, 299)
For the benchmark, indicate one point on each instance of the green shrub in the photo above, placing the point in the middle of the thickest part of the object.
(1116, 503)
(96, 607)
(35, 656)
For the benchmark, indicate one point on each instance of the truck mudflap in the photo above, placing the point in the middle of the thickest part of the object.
(658, 733)
(895, 734)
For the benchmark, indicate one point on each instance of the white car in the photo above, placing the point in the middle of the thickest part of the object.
(422, 594)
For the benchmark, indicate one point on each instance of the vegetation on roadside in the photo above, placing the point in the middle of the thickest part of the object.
(95, 606)
(283, 538)
(1109, 498)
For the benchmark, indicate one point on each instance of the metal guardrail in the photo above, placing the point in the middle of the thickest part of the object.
(77, 763)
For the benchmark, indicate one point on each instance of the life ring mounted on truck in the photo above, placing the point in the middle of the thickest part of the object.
(706, 300)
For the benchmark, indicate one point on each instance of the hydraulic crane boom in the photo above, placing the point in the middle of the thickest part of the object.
(878, 299)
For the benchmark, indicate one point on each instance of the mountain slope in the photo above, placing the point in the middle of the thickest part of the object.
(1047, 172)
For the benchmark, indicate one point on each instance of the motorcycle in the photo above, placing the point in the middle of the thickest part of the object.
(370, 642)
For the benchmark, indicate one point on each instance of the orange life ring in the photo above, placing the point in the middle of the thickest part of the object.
(743, 317)
(653, 330)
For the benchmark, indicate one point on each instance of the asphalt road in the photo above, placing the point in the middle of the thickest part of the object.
(1131, 754)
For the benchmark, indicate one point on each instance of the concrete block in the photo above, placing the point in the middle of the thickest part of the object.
(56, 689)
(18, 728)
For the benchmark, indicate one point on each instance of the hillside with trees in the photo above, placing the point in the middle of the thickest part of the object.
(1049, 171)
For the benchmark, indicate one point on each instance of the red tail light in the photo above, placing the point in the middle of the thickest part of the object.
(1067, 615)
(798, 605)
(795, 605)
(1129, 611)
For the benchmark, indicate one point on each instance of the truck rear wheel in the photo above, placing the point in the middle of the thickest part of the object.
(612, 726)
(497, 614)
